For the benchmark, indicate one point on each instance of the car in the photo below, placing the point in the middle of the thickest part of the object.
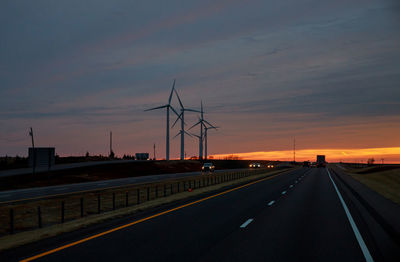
(255, 165)
(306, 164)
(208, 167)
(270, 166)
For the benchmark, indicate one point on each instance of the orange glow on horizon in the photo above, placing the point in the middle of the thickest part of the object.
(389, 154)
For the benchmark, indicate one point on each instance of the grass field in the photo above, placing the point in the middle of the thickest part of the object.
(385, 180)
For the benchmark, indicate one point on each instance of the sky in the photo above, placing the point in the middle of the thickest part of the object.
(324, 72)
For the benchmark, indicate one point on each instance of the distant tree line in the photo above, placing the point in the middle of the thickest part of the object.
(9, 162)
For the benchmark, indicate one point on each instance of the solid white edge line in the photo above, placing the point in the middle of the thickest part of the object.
(363, 246)
(245, 224)
(271, 203)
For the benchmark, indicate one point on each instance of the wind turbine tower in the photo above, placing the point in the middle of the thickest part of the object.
(168, 107)
(206, 128)
(202, 124)
(182, 132)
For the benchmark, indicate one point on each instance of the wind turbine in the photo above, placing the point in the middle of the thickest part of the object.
(201, 123)
(182, 132)
(200, 144)
(168, 107)
(205, 137)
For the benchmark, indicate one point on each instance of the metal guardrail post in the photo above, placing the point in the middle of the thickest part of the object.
(39, 217)
(138, 196)
(113, 201)
(11, 221)
(82, 211)
(127, 199)
(98, 204)
(62, 211)
(148, 193)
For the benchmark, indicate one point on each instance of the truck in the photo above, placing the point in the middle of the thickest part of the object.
(142, 156)
(321, 161)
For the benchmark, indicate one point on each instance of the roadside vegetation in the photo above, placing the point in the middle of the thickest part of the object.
(383, 179)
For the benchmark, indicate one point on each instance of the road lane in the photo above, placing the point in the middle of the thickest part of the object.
(308, 224)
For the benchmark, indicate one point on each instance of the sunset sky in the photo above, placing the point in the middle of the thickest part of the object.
(325, 72)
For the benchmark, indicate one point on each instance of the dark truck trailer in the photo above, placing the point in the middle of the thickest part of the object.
(142, 156)
(321, 161)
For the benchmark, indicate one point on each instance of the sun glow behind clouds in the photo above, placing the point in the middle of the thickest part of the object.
(389, 154)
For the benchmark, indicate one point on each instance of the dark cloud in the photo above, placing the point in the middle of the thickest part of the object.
(100, 63)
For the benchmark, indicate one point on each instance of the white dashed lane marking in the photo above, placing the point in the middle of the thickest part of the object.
(245, 224)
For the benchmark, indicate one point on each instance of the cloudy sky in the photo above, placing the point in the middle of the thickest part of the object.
(325, 72)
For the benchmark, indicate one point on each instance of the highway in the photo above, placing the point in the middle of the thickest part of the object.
(20, 194)
(301, 215)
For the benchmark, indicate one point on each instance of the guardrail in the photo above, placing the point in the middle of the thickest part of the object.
(31, 214)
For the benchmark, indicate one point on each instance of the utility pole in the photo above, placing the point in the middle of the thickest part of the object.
(33, 152)
(111, 143)
(154, 152)
(294, 150)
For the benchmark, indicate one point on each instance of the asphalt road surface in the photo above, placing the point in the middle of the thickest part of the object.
(297, 216)
(19, 194)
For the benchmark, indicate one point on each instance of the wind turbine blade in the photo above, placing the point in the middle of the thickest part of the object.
(172, 91)
(202, 112)
(188, 134)
(195, 125)
(173, 110)
(192, 110)
(159, 107)
(179, 99)
(179, 117)
(208, 123)
(195, 135)
(177, 135)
